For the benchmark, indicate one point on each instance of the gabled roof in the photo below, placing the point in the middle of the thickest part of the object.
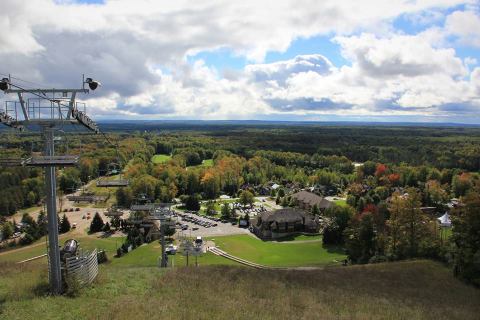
(283, 215)
(312, 199)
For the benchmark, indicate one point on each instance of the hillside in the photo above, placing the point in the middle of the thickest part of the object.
(405, 290)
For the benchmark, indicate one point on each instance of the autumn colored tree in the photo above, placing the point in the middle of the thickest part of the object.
(380, 170)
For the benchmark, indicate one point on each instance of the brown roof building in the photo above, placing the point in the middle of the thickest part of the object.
(306, 200)
(283, 222)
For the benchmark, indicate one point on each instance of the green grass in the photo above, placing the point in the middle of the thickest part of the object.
(283, 254)
(39, 247)
(341, 202)
(147, 255)
(207, 163)
(402, 290)
(161, 158)
(302, 237)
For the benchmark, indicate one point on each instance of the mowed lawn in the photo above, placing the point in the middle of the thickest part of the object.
(148, 255)
(280, 254)
(161, 158)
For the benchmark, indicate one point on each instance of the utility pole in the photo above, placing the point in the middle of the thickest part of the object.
(50, 109)
(162, 237)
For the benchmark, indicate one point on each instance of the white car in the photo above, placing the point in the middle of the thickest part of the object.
(171, 249)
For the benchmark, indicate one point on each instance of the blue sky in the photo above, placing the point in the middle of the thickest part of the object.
(300, 60)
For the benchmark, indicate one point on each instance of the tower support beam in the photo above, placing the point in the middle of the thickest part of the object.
(55, 272)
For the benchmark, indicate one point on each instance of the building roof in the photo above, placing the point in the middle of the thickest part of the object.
(312, 199)
(283, 215)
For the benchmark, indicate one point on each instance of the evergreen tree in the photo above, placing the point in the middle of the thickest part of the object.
(192, 203)
(42, 223)
(226, 214)
(466, 239)
(97, 224)
(7, 230)
(315, 210)
(65, 224)
(106, 227)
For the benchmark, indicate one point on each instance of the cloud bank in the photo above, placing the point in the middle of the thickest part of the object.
(144, 54)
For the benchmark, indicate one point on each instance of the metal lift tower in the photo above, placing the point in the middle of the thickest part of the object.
(48, 110)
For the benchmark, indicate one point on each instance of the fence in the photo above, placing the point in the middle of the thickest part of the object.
(82, 268)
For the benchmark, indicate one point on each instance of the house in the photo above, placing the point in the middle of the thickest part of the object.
(283, 222)
(306, 200)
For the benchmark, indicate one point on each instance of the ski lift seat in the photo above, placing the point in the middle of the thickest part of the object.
(45, 161)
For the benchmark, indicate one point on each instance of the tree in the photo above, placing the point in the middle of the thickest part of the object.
(192, 203)
(360, 238)
(337, 218)
(210, 209)
(284, 202)
(106, 227)
(97, 224)
(7, 230)
(64, 224)
(226, 214)
(246, 197)
(466, 238)
(42, 223)
(410, 231)
(315, 210)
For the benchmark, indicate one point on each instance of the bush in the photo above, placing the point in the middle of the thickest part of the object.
(27, 239)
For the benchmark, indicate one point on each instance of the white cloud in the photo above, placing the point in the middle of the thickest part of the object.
(126, 43)
(465, 25)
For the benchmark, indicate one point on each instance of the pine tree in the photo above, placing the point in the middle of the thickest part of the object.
(65, 224)
(106, 227)
(97, 224)
(226, 212)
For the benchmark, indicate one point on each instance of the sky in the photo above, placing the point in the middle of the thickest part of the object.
(303, 60)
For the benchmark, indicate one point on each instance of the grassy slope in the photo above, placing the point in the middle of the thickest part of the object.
(406, 290)
(279, 254)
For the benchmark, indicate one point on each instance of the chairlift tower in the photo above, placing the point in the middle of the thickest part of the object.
(162, 212)
(48, 110)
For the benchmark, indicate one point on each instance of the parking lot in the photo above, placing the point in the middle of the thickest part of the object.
(191, 224)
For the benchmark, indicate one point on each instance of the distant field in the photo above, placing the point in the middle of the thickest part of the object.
(268, 253)
(161, 158)
(207, 163)
(403, 290)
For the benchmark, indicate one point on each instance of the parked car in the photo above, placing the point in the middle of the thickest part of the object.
(77, 209)
(171, 249)
(185, 227)
(74, 225)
